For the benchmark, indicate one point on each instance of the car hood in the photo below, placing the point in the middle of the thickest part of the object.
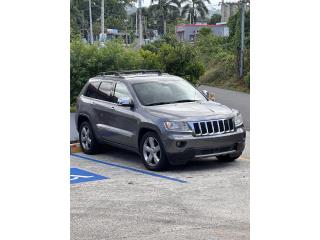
(190, 111)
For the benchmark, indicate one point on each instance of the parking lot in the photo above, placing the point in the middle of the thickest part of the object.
(205, 199)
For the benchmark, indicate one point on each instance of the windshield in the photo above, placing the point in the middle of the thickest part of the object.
(169, 91)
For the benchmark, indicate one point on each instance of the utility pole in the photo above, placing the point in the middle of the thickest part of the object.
(140, 25)
(242, 16)
(90, 16)
(126, 24)
(137, 22)
(102, 16)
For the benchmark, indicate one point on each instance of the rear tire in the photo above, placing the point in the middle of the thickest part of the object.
(88, 141)
(228, 158)
(152, 152)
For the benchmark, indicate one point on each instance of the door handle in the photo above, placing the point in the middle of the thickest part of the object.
(112, 108)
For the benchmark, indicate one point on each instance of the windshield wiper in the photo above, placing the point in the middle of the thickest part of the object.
(179, 101)
(186, 100)
(157, 103)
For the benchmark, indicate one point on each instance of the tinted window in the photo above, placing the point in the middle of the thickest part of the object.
(106, 91)
(121, 91)
(92, 90)
(167, 91)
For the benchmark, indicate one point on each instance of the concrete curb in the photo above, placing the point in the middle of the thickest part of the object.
(75, 147)
(246, 153)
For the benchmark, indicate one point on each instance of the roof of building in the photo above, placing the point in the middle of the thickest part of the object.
(201, 25)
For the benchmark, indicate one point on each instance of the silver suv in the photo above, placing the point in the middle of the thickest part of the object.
(161, 117)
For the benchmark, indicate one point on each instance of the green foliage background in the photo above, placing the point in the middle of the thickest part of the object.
(88, 60)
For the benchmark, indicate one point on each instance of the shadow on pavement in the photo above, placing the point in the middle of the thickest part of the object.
(124, 156)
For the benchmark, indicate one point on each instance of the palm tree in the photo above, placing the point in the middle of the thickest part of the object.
(163, 8)
(195, 8)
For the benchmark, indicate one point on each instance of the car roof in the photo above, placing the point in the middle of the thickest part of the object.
(136, 77)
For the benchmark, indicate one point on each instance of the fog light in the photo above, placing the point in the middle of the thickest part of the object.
(180, 144)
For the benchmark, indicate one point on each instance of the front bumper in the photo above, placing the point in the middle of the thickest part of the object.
(203, 146)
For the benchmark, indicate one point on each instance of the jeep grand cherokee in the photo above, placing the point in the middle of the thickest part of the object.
(160, 116)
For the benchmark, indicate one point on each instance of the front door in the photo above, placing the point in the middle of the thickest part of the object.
(126, 121)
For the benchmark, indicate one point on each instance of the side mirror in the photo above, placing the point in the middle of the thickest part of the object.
(125, 102)
(205, 92)
(208, 95)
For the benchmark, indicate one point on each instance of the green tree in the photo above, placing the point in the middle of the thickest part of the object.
(195, 8)
(115, 13)
(234, 29)
(165, 9)
(215, 18)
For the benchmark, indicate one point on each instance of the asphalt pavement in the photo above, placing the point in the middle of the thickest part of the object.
(114, 197)
(205, 199)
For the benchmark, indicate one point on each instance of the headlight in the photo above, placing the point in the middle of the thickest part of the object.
(238, 118)
(177, 126)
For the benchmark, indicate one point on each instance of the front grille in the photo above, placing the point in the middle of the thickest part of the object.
(212, 127)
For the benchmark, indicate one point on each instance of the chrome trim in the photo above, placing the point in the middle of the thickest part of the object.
(214, 154)
(195, 124)
(114, 130)
(227, 120)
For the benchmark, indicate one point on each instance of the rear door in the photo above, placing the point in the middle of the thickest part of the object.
(104, 109)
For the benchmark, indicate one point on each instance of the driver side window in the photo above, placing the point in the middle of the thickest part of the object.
(121, 91)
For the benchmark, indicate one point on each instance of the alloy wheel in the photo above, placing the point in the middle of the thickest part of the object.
(85, 138)
(151, 151)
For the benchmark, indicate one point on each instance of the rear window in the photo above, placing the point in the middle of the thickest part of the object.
(92, 90)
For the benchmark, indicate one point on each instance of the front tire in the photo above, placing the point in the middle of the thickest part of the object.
(152, 152)
(88, 141)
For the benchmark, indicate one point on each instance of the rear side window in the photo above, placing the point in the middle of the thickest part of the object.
(92, 90)
(106, 91)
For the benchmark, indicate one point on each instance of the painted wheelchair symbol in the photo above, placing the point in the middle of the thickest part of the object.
(76, 177)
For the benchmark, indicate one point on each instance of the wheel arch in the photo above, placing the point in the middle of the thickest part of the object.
(82, 118)
(147, 128)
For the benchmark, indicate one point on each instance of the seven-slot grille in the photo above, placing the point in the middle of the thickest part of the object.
(212, 127)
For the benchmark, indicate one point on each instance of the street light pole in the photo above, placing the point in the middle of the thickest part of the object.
(90, 19)
(102, 16)
(140, 25)
(137, 22)
(242, 16)
(126, 24)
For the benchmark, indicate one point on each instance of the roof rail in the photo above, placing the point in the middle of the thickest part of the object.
(109, 73)
(119, 73)
(143, 71)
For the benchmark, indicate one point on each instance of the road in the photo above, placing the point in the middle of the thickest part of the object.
(237, 100)
(212, 202)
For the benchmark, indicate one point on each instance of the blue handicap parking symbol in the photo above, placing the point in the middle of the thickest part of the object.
(78, 176)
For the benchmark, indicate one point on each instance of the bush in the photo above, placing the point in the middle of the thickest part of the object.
(220, 58)
(247, 80)
(87, 61)
(181, 60)
(151, 60)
